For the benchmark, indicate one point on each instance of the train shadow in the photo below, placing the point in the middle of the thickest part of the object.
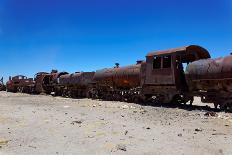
(181, 106)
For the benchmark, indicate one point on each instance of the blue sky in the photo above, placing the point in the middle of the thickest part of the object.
(85, 35)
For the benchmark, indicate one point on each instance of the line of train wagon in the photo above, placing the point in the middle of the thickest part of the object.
(173, 75)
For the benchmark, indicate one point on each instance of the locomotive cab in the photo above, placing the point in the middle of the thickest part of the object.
(165, 77)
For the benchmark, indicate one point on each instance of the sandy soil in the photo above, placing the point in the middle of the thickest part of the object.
(35, 124)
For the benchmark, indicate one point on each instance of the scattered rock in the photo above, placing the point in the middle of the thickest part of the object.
(143, 111)
(215, 134)
(3, 142)
(121, 147)
(132, 107)
(66, 106)
(198, 129)
(126, 132)
(32, 146)
(76, 122)
(220, 151)
(125, 107)
(210, 113)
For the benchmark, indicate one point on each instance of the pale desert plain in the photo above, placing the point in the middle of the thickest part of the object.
(38, 125)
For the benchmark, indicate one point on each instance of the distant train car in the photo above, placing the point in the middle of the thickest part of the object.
(20, 83)
(45, 82)
(74, 85)
(2, 86)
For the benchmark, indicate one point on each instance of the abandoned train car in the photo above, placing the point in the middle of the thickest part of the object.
(162, 78)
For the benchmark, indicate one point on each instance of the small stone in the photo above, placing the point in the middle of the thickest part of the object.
(198, 129)
(213, 114)
(121, 147)
(126, 132)
(94, 105)
(148, 128)
(78, 122)
(125, 107)
(179, 135)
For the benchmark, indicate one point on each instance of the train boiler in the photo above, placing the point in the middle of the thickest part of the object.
(74, 85)
(212, 80)
(118, 83)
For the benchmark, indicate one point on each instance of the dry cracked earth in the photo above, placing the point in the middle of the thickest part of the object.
(35, 124)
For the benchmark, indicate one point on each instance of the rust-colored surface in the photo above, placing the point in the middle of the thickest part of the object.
(201, 53)
(45, 82)
(20, 83)
(81, 79)
(2, 86)
(211, 74)
(122, 77)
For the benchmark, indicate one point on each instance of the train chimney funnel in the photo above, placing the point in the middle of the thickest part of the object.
(116, 65)
(139, 62)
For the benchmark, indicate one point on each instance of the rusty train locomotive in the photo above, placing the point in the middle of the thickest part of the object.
(160, 78)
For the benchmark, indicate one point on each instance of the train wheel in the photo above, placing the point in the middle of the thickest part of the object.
(229, 105)
(215, 105)
(136, 99)
(223, 106)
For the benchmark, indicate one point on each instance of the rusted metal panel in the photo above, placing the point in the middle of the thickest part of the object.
(20, 83)
(210, 74)
(45, 82)
(2, 86)
(125, 77)
(81, 79)
(200, 52)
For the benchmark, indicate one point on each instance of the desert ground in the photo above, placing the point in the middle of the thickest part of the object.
(37, 124)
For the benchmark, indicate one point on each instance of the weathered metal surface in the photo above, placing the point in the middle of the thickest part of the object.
(211, 74)
(199, 51)
(2, 86)
(81, 79)
(20, 83)
(45, 82)
(39, 77)
(121, 77)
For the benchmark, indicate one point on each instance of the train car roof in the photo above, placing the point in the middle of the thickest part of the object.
(201, 52)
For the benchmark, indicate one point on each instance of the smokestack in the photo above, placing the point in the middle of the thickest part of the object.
(116, 65)
(139, 62)
(54, 71)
